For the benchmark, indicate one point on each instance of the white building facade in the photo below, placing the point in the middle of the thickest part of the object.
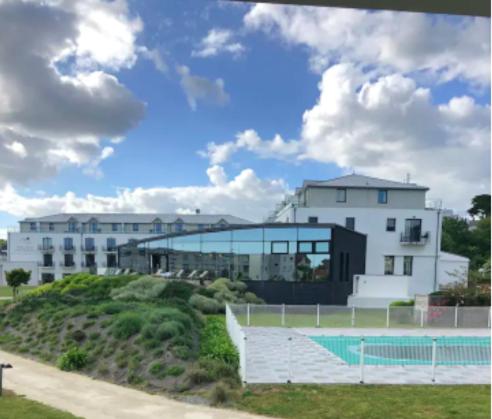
(54, 246)
(403, 256)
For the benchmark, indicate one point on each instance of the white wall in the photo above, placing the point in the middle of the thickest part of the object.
(452, 268)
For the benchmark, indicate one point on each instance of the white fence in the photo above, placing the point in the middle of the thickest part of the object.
(343, 316)
(238, 338)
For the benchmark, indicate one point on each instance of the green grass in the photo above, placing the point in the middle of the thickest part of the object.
(13, 406)
(368, 402)
(7, 291)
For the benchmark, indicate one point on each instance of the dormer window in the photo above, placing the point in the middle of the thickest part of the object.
(72, 226)
(341, 195)
(382, 196)
(93, 226)
(32, 226)
(157, 226)
(179, 227)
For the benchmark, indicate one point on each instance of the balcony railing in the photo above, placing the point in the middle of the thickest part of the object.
(67, 249)
(109, 249)
(414, 238)
(88, 249)
(46, 248)
(67, 266)
(43, 265)
(89, 265)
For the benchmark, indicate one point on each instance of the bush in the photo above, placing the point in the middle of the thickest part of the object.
(251, 298)
(204, 304)
(127, 325)
(73, 359)
(168, 330)
(215, 342)
(206, 292)
(219, 394)
(409, 303)
(238, 286)
(78, 336)
(145, 288)
(175, 371)
(176, 289)
(158, 369)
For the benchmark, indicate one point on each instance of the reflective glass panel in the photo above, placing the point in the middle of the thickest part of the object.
(305, 247)
(314, 233)
(218, 236)
(322, 247)
(248, 234)
(280, 247)
(283, 233)
(313, 268)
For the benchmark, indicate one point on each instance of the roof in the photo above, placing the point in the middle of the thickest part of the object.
(452, 257)
(361, 181)
(140, 218)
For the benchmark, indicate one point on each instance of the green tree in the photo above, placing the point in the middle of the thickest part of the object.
(3, 244)
(480, 206)
(16, 278)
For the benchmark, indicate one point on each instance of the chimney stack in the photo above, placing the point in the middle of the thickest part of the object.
(197, 211)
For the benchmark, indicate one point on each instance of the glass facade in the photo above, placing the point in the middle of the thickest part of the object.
(263, 253)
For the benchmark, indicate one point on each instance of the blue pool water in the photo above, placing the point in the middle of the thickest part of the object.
(408, 350)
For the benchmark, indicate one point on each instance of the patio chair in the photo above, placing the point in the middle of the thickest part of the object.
(180, 274)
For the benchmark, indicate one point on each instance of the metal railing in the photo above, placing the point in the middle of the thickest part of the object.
(343, 316)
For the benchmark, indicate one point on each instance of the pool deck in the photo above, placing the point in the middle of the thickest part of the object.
(280, 355)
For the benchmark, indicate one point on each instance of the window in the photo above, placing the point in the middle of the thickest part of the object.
(48, 260)
(68, 260)
(322, 247)
(313, 220)
(67, 243)
(413, 230)
(407, 265)
(89, 243)
(201, 226)
(158, 228)
(281, 248)
(389, 265)
(51, 226)
(72, 227)
(304, 247)
(382, 196)
(32, 226)
(93, 227)
(114, 227)
(47, 278)
(341, 195)
(111, 260)
(135, 227)
(390, 224)
(47, 243)
(350, 223)
(111, 243)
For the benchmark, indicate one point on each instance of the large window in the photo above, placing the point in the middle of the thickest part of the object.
(413, 230)
(48, 260)
(68, 243)
(47, 243)
(389, 265)
(312, 220)
(341, 195)
(68, 260)
(407, 265)
(89, 244)
(382, 196)
(32, 226)
(135, 227)
(111, 243)
(114, 227)
(280, 248)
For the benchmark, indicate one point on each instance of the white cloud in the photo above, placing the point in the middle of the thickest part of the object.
(391, 41)
(58, 102)
(249, 140)
(245, 195)
(386, 127)
(219, 41)
(202, 89)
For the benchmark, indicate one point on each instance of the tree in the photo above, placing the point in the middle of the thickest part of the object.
(16, 278)
(480, 206)
(3, 244)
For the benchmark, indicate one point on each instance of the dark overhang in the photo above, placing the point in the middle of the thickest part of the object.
(449, 7)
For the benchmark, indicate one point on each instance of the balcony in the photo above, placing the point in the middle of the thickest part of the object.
(88, 249)
(67, 266)
(109, 249)
(46, 248)
(418, 239)
(67, 249)
(47, 266)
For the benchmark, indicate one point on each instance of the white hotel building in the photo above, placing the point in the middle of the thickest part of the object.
(58, 245)
(404, 256)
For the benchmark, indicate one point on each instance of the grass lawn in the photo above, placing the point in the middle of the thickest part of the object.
(354, 401)
(7, 291)
(13, 406)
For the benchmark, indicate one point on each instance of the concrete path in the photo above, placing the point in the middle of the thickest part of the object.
(94, 399)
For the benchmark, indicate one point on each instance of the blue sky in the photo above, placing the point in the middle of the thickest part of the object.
(382, 101)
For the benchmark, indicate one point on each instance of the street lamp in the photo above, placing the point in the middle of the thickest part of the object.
(2, 367)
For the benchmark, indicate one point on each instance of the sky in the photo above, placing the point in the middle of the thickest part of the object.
(152, 106)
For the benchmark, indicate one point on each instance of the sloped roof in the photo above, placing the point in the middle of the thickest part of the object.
(140, 218)
(361, 181)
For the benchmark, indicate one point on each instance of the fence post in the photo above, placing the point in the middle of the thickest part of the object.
(353, 316)
(245, 360)
(421, 317)
(289, 378)
(317, 315)
(388, 316)
(456, 316)
(361, 361)
(248, 315)
(434, 354)
(282, 321)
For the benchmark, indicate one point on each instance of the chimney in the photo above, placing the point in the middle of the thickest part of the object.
(197, 211)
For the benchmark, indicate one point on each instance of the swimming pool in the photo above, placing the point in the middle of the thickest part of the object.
(408, 350)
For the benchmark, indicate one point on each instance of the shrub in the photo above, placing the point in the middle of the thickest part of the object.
(218, 369)
(219, 394)
(220, 284)
(409, 303)
(175, 370)
(251, 298)
(158, 369)
(238, 286)
(204, 304)
(176, 289)
(73, 359)
(143, 289)
(127, 325)
(196, 376)
(207, 292)
(215, 342)
(168, 330)
(113, 307)
(78, 335)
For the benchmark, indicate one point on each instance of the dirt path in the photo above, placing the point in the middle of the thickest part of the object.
(94, 399)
